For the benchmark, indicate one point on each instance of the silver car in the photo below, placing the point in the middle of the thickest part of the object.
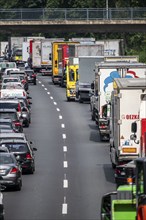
(10, 171)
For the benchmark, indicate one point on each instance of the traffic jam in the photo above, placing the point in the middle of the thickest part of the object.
(17, 153)
(89, 72)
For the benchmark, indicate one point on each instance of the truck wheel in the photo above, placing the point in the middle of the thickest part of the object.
(68, 99)
(80, 100)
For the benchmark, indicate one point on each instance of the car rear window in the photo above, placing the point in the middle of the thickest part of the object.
(8, 105)
(17, 147)
(6, 159)
(10, 115)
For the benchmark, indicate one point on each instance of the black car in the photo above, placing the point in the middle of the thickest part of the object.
(125, 174)
(31, 76)
(24, 150)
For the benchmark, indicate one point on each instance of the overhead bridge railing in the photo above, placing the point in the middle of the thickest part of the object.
(73, 14)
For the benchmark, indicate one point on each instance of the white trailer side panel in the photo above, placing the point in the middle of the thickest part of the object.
(89, 50)
(3, 45)
(25, 51)
(36, 54)
(46, 49)
(105, 82)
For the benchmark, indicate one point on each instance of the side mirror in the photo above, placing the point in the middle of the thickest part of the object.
(134, 127)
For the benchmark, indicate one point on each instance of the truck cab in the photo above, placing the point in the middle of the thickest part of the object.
(71, 78)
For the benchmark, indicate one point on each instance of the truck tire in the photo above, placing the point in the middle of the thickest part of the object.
(80, 100)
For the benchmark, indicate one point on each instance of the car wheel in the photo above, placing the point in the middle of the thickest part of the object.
(32, 169)
(18, 187)
(27, 124)
(34, 83)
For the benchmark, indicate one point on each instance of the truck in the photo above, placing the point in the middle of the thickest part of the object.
(128, 105)
(61, 51)
(89, 49)
(86, 76)
(105, 73)
(128, 202)
(112, 47)
(15, 49)
(35, 54)
(3, 46)
(71, 78)
(46, 55)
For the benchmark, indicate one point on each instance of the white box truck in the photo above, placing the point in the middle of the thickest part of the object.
(128, 105)
(105, 74)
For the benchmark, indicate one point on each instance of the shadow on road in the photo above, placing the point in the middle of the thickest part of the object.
(109, 173)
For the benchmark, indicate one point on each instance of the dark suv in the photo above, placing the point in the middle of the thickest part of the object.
(31, 76)
(25, 152)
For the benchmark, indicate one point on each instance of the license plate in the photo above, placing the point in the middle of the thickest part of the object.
(129, 150)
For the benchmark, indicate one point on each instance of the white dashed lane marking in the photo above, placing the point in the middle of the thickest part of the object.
(65, 164)
(60, 116)
(64, 136)
(51, 97)
(58, 109)
(42, 85)
(55, 103)
(45, 89)
(64, 207)
(64, 148)
(63, 125)
(48, 93)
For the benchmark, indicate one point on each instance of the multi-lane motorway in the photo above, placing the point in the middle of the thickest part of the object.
(73, 168)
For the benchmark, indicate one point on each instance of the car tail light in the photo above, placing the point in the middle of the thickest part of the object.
(28, 156)
(14, 170)
(117, 171)
(33, 75)
(17, 123)
(23, 81)
(19, 108)
(24, 94)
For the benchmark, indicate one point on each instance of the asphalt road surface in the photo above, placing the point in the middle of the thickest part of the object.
(73, 168)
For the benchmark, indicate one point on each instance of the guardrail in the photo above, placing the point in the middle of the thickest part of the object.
(72, 14)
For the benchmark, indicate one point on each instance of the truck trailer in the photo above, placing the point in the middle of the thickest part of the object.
(105, 73)
(128, 106)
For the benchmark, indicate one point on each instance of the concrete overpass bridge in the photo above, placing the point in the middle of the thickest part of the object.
(96, 20)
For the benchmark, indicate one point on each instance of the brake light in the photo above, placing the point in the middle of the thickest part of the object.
(17, 124)
(24, 94)
(102, 126)
(23, 81)
(117, 171)
(28, 156)
(14, 170)
(33, 75)
(19, 108)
